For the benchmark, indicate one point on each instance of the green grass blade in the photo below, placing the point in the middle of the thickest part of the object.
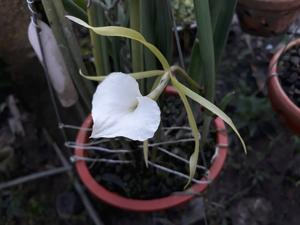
(206, 46)
(221, 17)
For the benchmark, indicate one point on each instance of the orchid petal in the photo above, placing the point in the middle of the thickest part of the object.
(119, 109)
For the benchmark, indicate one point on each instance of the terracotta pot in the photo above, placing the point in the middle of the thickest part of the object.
(288, 111)
(267, 17)
(119, 201)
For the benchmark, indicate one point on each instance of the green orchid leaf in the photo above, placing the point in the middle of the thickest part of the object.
(213, 108)
(96, 17)
(192, 122)
(116, 31)
(195, 69)
(74, 9)
(206, 57)
(81, 3)
(226, 100)
(221, 17)
(163, 25)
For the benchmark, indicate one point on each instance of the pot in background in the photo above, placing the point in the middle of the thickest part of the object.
(267, 17)
(282, 104)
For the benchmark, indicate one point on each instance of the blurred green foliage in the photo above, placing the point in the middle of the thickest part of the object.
(183, 11)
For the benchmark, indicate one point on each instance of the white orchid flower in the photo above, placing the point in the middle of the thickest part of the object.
(119, 109)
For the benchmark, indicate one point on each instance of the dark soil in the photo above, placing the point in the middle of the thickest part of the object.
(289, 73)
(137, 181)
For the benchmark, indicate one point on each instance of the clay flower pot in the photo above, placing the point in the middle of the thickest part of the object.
(282, 104)
(119, 201)
(267, 17)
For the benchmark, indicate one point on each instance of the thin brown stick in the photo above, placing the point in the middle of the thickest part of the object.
(86, 202)
(34, 176)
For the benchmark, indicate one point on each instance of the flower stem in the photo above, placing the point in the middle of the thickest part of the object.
(185, 76)
(156, 92)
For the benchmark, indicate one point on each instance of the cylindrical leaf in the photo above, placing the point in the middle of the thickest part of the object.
(51, 56)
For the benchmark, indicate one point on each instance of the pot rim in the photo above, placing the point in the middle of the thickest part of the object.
(151, 205)
(274, 85)
(278, 5)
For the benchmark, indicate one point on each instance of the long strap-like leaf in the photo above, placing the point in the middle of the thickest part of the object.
(206, 46)
(116, 31)
(221, 17)
(211, 107)
(192, 122)
(137, 76)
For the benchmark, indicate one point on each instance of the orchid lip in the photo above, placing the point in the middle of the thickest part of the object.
(119, 109)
